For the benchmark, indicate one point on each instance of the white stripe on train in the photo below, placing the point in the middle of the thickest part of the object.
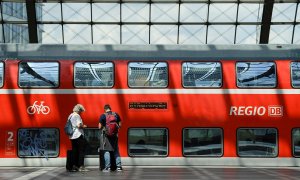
(149, 91)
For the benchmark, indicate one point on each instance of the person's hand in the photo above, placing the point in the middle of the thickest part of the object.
(84, 126)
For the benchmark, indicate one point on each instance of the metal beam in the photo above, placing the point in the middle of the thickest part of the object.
(266, 21)
(32, 24)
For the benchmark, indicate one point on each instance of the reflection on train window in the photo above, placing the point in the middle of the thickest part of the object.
(295, 71)
(148, 74)
(202, 142)
(39, 142)
(94, 74)
(201, 74)
(92, 136)
(38, 74)
(1, 74)
(296, 142)
(256, 74)
(148, 142)
(257, 142)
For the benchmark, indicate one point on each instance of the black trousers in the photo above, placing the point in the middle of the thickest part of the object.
(78, 148)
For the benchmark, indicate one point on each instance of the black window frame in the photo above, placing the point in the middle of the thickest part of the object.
(256, 87)
(40, 87)
(3, 74)
(291, 74)
(94, 87)
(293, 145)
(148, 87)
(195, 87)
(38, 128)
(147, 128)
(222, 141)
(257, 156)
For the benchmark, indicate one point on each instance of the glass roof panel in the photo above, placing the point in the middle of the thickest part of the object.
(1, 34)
(222, 12)
(164, 12)
(76, 12)
(250, 12)
(284, 12)
(50, 33)
(163, 34)
(298, 13)
(48, 11)
(77, 34)
(248, 34)
(135, 34)
(106, 12)
(16, 33)
(106, 34)
(191, 12)
(280, 34)
(132, 12)
(220, 34)
(192, 34)
(14, 12)
(297, 35)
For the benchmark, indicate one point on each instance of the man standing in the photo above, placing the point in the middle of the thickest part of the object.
(109, 124)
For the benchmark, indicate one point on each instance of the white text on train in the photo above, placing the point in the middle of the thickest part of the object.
(274, 110)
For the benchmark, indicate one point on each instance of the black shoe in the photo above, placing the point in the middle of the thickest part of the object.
(119, 169)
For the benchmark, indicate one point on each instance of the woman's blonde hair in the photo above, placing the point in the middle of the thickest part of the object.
(78, 108)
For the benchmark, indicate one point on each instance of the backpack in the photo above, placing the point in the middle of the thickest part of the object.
(69, 130)
(111, 127)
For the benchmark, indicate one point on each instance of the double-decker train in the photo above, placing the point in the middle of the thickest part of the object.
(179, 105)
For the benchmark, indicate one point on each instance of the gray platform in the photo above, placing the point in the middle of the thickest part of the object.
(154, 172)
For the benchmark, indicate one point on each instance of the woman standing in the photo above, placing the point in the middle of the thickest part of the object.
(77, 138)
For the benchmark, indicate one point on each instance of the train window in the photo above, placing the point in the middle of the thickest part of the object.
(38, 74)
(148, 74)
(202, 142)
(295, 72)
(257, 142)
(92, 136)
(94, 74)
(148, 142)
(38, 142)
(202, 74)
(256, 74)
(1, 74)
(296, 142)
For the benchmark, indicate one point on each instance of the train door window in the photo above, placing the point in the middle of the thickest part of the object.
(295, 73)
(202, 74)
(148, 74)
(92, 136)
(1, 73)
(38, 142)
(296, 142)
(257, 142)
(38, 74)
(148, 142)
(256, 74)
(94, 74)
(202, 142)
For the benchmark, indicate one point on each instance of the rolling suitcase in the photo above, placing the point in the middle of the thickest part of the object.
(70, 160)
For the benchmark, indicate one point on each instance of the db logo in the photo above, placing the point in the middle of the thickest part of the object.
(275, 111)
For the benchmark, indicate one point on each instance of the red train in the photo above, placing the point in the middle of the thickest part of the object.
(179, 105)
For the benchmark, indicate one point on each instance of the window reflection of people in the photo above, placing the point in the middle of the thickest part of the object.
(77, 138)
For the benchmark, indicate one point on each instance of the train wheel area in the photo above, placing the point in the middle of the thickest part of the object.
(153, 172)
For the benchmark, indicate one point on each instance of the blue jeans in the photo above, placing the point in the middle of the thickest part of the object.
(116, 156)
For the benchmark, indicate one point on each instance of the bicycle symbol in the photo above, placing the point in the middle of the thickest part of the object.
(38, 108)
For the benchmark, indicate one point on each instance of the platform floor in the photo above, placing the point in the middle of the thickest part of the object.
(154, 173)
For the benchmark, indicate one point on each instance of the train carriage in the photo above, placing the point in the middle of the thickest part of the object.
(180, 105)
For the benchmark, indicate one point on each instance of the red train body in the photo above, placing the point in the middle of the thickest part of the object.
(227, 107)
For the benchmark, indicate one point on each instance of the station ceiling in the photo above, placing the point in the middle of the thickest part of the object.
(150, 22)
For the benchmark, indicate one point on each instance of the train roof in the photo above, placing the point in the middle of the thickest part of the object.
(148, 52)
